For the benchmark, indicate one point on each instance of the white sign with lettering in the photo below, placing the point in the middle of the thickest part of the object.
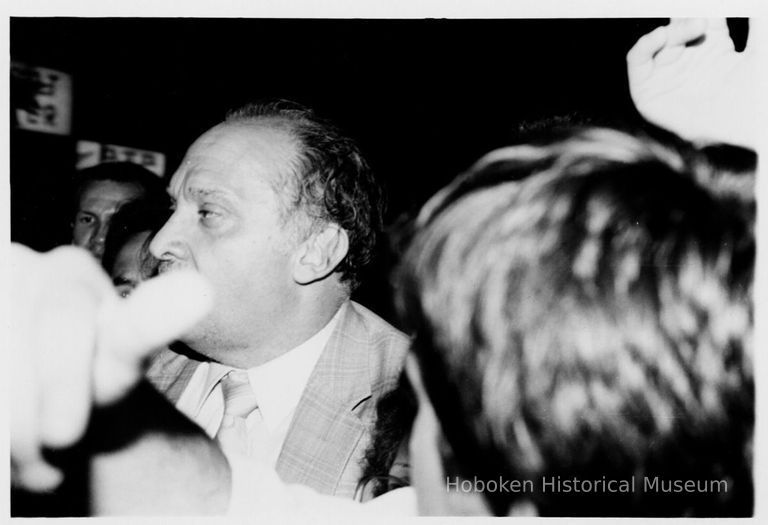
(41, 99)
(92, 153)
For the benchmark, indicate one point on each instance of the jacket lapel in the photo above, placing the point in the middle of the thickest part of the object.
(326, 428)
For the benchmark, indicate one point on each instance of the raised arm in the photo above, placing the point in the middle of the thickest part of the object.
(688, 78)
(76, 354)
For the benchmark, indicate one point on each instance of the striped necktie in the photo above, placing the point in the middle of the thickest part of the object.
(239, 402)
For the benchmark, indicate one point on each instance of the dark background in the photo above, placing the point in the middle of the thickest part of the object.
(424, 98)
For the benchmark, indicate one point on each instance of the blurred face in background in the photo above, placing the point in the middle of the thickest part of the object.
(131, 264)
(98, 203)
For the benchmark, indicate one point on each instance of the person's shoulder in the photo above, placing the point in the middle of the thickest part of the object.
(386, 344)
(378, 331)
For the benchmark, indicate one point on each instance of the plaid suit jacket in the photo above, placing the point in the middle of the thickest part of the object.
(332, 424)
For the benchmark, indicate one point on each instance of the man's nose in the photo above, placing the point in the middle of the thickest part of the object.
(168, 242)
(100, 235)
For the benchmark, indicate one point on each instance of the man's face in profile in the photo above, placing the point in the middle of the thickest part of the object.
(228, 224)
(99, 201)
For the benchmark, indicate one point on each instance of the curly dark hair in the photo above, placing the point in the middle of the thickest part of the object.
(583, 309)
(331, 180)
(395, 413)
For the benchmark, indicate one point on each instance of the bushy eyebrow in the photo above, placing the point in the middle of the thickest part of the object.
(196, 193)
(207, 192)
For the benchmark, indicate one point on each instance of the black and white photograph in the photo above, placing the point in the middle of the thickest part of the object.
(328, 267)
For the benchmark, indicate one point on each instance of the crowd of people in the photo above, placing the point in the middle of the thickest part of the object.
(578, 310)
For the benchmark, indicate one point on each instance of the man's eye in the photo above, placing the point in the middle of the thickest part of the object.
(208, 215)
(85, 219)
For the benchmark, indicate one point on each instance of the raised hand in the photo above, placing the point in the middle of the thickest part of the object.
(76, 344)
(688, 78)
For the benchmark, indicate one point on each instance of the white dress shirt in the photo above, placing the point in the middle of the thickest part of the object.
(277, 384)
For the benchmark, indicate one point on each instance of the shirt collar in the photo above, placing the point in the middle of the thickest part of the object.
(279, 383)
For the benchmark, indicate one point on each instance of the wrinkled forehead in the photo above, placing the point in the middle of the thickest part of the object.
(235, 156)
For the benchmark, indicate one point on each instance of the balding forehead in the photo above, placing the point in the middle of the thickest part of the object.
(268, 136)
(232, 152)
(279, 129)
(260, 138)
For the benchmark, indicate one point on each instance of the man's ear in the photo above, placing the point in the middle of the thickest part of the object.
(320, 254)
(436, 497)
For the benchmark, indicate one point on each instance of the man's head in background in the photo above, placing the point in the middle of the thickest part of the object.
(279, 210)
(582, 309)
(101, 191)
(126, 250)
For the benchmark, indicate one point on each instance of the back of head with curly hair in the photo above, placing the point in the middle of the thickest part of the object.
(583, 309)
